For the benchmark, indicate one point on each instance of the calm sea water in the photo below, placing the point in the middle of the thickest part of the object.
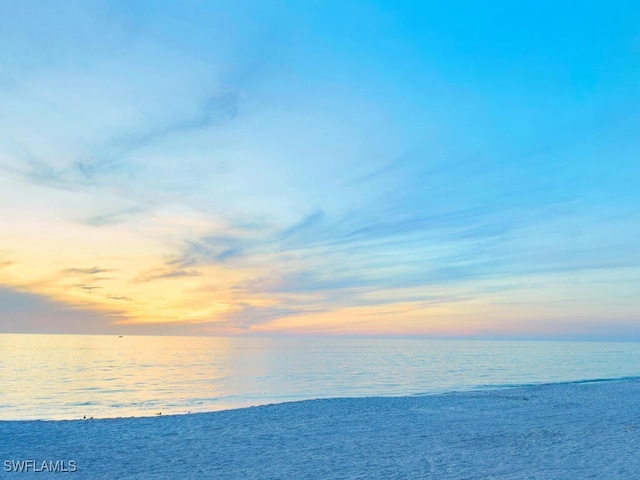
(68, 376)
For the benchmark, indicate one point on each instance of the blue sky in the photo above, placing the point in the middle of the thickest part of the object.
(212, 167)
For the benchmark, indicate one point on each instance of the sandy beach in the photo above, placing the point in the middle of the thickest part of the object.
(559, 431)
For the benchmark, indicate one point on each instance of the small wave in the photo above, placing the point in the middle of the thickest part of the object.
(565, 382)
(502, 386)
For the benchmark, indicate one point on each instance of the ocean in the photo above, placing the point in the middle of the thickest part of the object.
(72, 376)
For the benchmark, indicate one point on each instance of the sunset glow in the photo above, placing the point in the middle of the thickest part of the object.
(367, 168)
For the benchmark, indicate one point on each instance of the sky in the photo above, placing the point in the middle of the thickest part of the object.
(440, 169)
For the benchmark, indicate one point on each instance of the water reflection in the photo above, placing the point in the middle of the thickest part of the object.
(68, 376)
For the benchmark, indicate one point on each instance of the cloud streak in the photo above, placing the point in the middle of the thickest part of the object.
(113, 153)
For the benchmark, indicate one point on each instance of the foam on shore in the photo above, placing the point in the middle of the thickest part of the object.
(561, 431)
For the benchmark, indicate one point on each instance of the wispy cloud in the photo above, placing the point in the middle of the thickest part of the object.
(33, 169)
(114, 217)
(88, 288)
(308, 222)
(86, 270)
(212, 249)
(167, 273)
(112, 154)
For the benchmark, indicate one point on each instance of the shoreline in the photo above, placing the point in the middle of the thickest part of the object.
(461, 391)
(567, 430)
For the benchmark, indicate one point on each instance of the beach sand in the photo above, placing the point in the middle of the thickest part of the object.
(560, 431)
